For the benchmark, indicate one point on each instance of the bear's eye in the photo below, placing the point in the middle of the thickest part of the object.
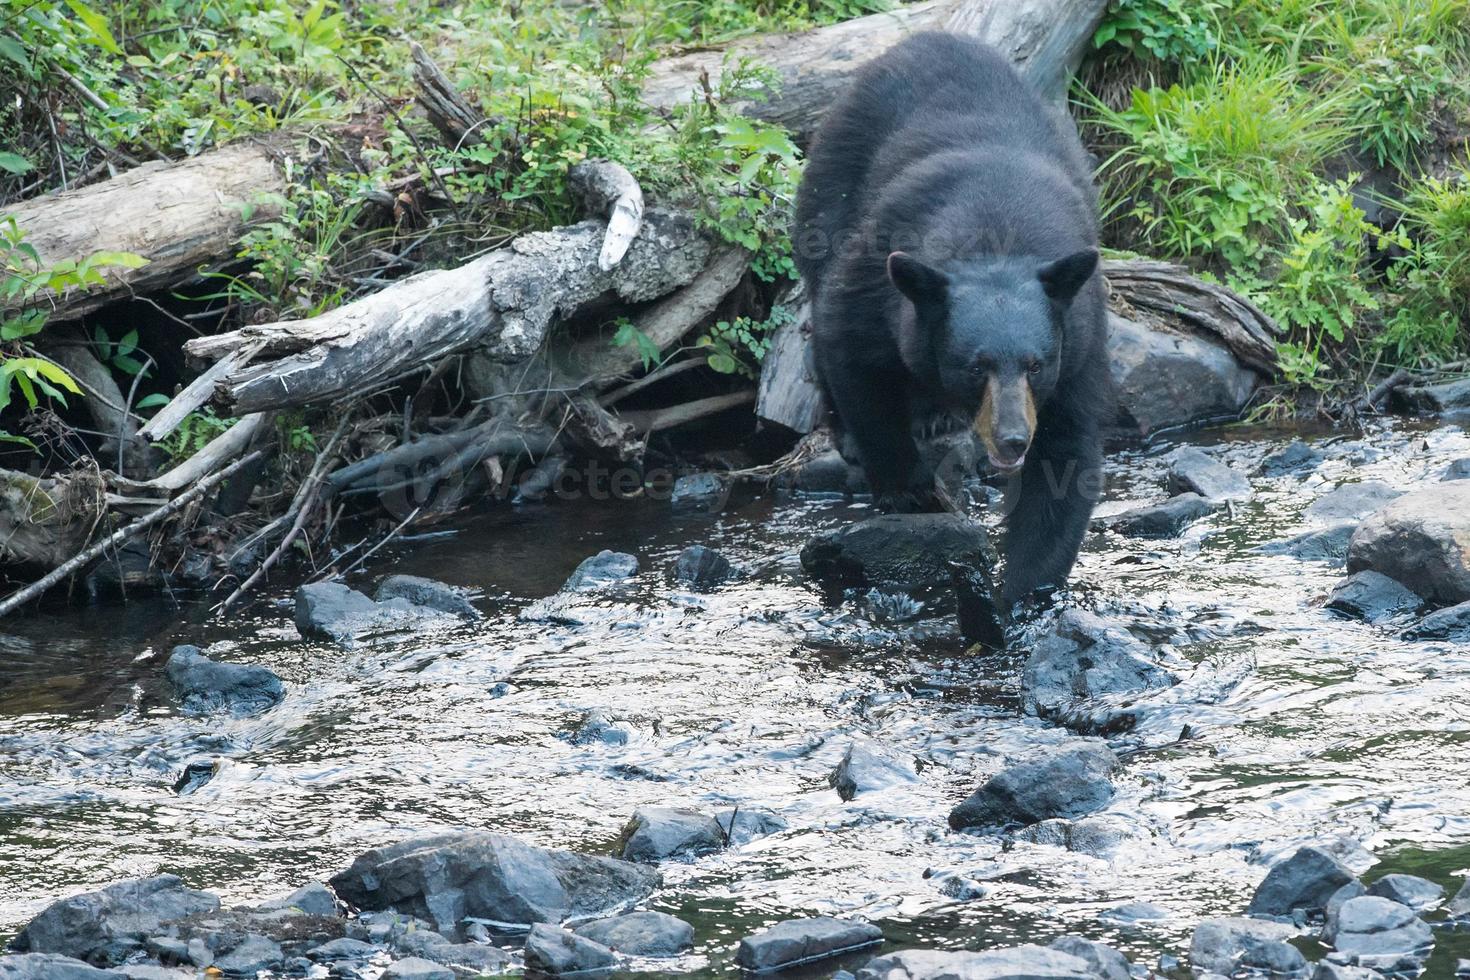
(1033, 368)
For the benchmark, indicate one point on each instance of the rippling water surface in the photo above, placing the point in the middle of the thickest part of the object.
(750, 695)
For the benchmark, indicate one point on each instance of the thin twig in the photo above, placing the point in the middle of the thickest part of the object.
(73, 564)
(389, 537)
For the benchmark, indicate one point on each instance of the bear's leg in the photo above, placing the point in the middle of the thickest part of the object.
(1059, 486)
(874, 419)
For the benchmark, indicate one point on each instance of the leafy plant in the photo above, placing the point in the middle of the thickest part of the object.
(1431, 285)
(1170, 31)
(738, 346)
(628, 335)
(197, 430)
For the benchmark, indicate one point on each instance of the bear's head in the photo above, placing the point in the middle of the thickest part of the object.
(990, 331)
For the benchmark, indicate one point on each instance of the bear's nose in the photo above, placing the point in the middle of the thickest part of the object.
(1015, 445)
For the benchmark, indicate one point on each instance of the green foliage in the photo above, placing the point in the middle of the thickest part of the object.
(738, 346)
(628, 335)
(1431, 285)
(197, 430)
(1169, 31)
(297, 256)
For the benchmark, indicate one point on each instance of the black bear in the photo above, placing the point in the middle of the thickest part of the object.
(947, 226)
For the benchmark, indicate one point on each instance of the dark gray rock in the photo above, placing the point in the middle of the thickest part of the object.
(1014, 963)
(50, 966)
(203, 685)
(332, 611)
(473, 958)
(1164, 379)
(1327, 970)
(1163, 520)
(1379, 934)
(741, 825)
(1423, 540)
(556, 952)
(390, 928)
(601, 570)
(1372, 598)
(312, 899)
(417, 968)
(152, 971)
(1451, 396)
(1106, 962)
(1194, 471)
(1444, 624)
(104, 927)
(1326, 544)
(1458, 470)
(195, 775)
(1296, 456)
(1228, 945)
(908, 551)
(346, 950)
(1096, 836)
(448, 877)
(1133, 912)
(1083, 657)
(657, 833)
(1070, 780)
(797, 941)
(1419, 894)
(702, 568)
(701, 493)
(1351, 501)
(249, 957)
(1305, 881)
(1460, 905)
(867, 769)
(981, 607)
(641, 934)
(428, 593)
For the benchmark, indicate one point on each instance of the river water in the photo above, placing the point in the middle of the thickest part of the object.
(1320, 727)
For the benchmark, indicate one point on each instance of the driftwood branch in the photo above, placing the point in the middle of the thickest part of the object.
(787, 393)
(220, 450)
(655, 420)
(194, 396)
(447, 108)
(80, 561)
(437, 457)
(607, 190)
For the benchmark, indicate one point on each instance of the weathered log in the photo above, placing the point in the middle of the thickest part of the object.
(1181, 300)
(655, 420)
(221, 450)
(178, 216)
(439, 457)
(104, 400)
(501, 304)
(787, 393)
(607, 190)
(194, 395)
(45, 522)
(1046, 39)
(445, 105)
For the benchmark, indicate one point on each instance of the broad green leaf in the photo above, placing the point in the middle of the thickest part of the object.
(125, 260)
(13, 50)
(14, 163)
(56, 373)
(25, 325)
(155, 400)
(96, 25)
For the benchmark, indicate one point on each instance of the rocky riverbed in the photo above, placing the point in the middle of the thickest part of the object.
(773, 754)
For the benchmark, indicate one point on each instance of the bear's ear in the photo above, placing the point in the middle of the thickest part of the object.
(919, 282)
(1064, 277)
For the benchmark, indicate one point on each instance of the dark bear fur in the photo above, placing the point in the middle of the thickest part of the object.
(947, 226)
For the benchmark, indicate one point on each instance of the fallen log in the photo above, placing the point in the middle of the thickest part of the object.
(46, 521)
(656, 420)
(438, 457)
(186, 214)
(178, 216)
(502, 304)
(787, 393)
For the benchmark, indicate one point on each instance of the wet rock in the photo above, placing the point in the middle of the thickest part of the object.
(203, 685)
(981, 608)
(656, 833)
(1423, 540)
(1458, 470)
(1296, 456)
(599, 726)
(601, 570)
(1097, 836)
(1326, 544)
(1194, 471)
(1070, 780)
(332, 611)
(797, 941)
(312, 899)
(641, 934)
(428, 593)
(390, 928)
(1450, 396)
(1419, 894)
(195, 775)
(909, 551)
(1343, 895)
(702, 568)
(254, 954)
(1326, 970)
(556, 952)
(702, 493)
(150, 971)
(1459, 907)
(1132, 912)
(1083, 657)
(104, 927)
(1229, 945)
(1015, 963)
(1305, 881)
(1379, 934)
(50, 966)
(866, 769)
(448, 877)
(473, 958)
(345, 949)
(1106, 963)
(741, 826)
(1372, 597)
(417, 968)
(1351, 501)
(1444, 624)
(1165, 520)
(1164, 379)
